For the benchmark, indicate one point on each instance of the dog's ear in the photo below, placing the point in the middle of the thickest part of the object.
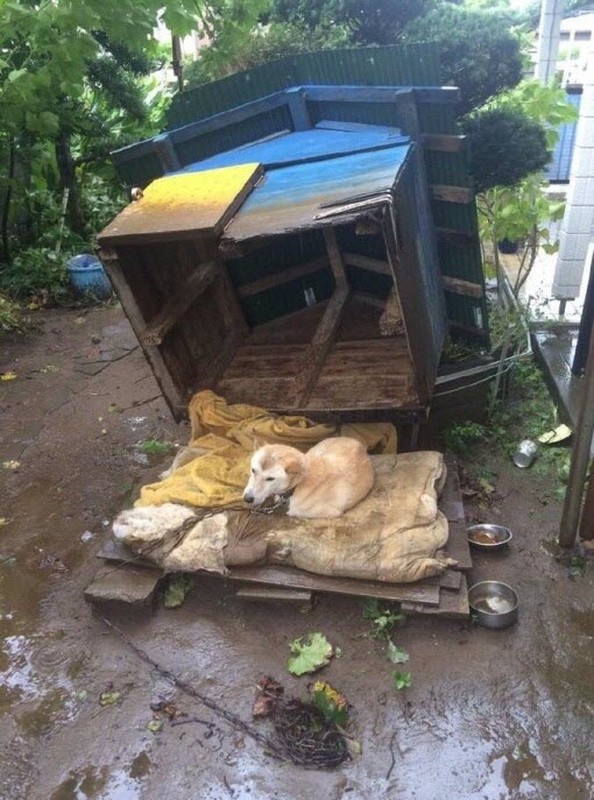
(259, 442)
(293, 466)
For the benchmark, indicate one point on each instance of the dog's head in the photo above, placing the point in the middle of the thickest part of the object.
(275, 469)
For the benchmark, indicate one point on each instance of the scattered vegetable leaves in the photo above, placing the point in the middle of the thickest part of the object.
(109, 697)
(396, 654)
(8, 376)
(155, 725)
(330, 702)
(177, 589)
(154, 447)
(402, 680)
(268, 693)
(309, 655)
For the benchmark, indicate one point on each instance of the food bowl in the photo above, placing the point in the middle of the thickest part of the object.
(494, 603)
(488, 537)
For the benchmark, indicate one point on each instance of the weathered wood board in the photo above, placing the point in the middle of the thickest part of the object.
(183, 206)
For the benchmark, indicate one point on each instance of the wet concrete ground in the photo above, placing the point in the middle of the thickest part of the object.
(490, 715)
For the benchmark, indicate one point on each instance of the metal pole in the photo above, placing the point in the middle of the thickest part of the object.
(580, 456)
(586, 324)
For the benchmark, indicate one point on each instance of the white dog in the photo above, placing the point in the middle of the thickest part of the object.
(325, 482)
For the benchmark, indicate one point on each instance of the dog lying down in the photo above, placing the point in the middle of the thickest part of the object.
(325, 482)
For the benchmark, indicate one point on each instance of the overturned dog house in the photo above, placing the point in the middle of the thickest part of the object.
(308, 250)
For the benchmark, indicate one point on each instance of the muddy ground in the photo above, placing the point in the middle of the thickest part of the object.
(489, 715)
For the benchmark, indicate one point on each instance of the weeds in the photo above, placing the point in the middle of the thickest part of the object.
(11, 317)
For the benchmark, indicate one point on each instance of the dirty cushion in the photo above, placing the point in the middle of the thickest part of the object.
(394, 535)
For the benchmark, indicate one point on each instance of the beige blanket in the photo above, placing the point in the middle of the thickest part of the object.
(394, 535)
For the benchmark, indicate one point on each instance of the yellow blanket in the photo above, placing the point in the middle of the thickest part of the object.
(222, 442)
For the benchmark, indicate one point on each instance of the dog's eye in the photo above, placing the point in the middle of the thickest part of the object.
(253, 472)
(269, 479)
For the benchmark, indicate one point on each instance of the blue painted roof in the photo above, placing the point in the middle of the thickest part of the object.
(301, 147)
(289, 198)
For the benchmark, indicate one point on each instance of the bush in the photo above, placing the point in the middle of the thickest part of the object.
(505, 146)
(39, 274)
(11, 318)
(261, 46)
(479, 53)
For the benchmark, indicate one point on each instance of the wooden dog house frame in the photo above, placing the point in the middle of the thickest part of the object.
(318, 290)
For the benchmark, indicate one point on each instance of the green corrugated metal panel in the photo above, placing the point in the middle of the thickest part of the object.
(140, 171)
(390, 66)
(447, 169)
(233, 136)
(287, 298)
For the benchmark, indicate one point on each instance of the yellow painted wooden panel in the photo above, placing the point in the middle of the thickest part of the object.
(183, 206)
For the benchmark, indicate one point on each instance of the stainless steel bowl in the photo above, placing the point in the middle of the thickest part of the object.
(499, 535)
(494, 603)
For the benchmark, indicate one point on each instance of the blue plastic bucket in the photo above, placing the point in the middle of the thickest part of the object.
(88, 276)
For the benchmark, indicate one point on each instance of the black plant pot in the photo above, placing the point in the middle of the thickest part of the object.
(506, 246)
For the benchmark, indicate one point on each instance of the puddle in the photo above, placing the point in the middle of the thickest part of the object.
(93, 783)
(141, 766)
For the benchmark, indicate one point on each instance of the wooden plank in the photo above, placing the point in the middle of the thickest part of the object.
(452, 506)
(453, 236)
(274, 594)
(170, 390)
(298, 109)
(355, 127)
(443, 94)
(462, 287)
(290, 274)
(443, 142)
(320, 345)
(290, 578)
(451, 580)
(123, 584)
(246, 111)
(365, 262)
(452, 605)
(554, 352)
(166, 153)
(335, 256)
(115, 552)
(354, 94)
(177, 305)
(452, 194)
(187, 205)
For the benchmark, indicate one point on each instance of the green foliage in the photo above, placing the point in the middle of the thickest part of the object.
(461, 437)
(383, 619)
(39, 274)
(369, 21)
(479, 52)
(402, 680)
(11, 317)
(177, 589)
(261, 46)
(330, 702)
(309, 654)
(396, 654)
(505, 146)
(155, 447)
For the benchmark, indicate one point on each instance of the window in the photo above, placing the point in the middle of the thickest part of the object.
(582, 36)
(564, 36)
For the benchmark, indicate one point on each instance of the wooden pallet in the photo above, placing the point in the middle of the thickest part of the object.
(445, 595)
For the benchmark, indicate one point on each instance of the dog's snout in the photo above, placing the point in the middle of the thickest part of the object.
(249, 498)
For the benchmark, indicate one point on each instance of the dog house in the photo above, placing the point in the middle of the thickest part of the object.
(293, 252)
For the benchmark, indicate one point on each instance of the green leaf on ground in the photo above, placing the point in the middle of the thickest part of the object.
(402, 680)
(109, 698)
(155, 725)
(154, 447)
(309, 653)
(330, 702)
(396, 654)
(177, 589)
